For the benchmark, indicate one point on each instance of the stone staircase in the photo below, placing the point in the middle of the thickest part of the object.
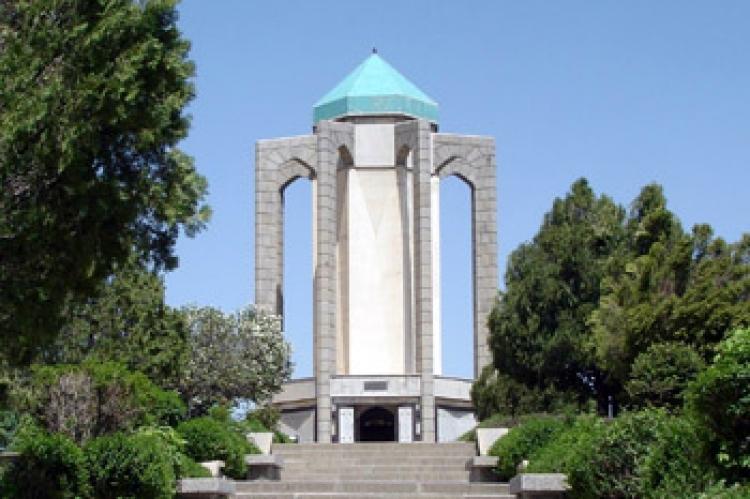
(373, 470)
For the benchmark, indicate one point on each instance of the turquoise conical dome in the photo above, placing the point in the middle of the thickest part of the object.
(375, 88)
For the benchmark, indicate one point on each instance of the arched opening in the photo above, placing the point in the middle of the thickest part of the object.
(456, 278)
(377, 424)
(298, 274)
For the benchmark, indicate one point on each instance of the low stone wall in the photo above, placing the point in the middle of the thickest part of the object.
(539, 485)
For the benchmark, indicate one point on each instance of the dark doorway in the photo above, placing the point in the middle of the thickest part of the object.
(377, 425)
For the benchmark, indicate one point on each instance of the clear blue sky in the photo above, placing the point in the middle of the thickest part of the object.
(623, 93)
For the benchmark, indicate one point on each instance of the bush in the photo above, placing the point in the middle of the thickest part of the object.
(134, 466)
(522, 441)
(660, 375)
(501, 421)
(640, 454)
(677, 462)
(92, 399)
(50, 466)
(208, 439)
(720, 400)
(188, 468)
(569, 452)
(723, 491)
(160, 407)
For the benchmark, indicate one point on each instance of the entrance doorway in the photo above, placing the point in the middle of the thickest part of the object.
(377, 425)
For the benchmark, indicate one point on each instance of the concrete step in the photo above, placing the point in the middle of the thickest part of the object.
(350, 495)
(391, 446)
(382, 487)
(401, 476)
(390, 466)
(374, 470)
(374, 452)
(328, 461)
(368, 454)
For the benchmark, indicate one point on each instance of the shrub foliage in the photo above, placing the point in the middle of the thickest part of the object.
(50, 466)
(720, 400)
(208, 439)
(522, 441)
(130, 466)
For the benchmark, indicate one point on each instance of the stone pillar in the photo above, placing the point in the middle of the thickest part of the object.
(332, 138)
(406, 423)
(484, 235)
(268, 232)
(423, 275)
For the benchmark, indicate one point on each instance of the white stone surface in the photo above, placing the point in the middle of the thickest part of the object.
(484, 461)
(207, 486)
(262, 441)
(213, 467)
(354, 386)
(346, 425)
(406, 424)
(375, 281)
(486, 437)
(539, 484)
(374, 145)
(453, 388)
(453, 422)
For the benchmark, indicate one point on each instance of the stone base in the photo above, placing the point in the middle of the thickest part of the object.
(539, 485)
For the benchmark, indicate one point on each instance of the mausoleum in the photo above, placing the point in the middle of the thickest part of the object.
(375, 158)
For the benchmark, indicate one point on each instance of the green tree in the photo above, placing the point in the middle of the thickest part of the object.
(539, 332)
(720, 400)
(92, 95)
(595, 289)
(494, 393)
(127, 322)
(233, 356)
(660, 375)
(671, 286)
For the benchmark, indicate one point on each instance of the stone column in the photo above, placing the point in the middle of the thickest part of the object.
(331, 138)
(423, 275)
(268, 232)
(484, 235)
(406, 423)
